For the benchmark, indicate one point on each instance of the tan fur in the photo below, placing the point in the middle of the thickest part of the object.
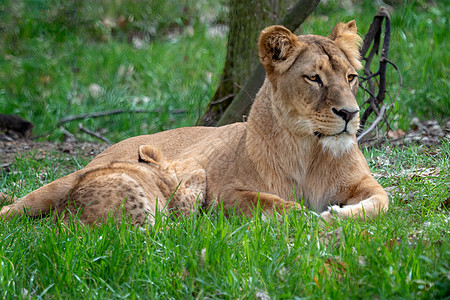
(294, 146)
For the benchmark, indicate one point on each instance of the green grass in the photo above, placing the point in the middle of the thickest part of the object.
(404, 253)
(47, 65)
(51, 53)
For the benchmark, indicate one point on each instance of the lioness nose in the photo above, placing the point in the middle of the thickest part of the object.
(345, 114)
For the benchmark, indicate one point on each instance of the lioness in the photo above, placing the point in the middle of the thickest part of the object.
(137, 189)
(298, 144)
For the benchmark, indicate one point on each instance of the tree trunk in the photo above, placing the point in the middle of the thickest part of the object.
(243, 100)
(247, 20)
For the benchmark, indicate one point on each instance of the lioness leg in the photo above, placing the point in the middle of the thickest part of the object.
(248, 201)
(41, 200)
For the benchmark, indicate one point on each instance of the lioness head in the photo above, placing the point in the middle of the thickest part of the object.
(314, 82)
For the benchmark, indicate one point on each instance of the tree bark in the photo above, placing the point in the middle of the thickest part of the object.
(246, 20)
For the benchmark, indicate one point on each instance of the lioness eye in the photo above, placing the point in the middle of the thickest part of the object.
(315, 78)
(351, 77)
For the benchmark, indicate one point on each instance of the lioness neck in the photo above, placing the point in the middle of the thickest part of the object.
(277, 152)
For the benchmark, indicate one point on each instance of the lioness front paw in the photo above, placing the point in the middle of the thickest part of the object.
(334, 209)
(330, 214)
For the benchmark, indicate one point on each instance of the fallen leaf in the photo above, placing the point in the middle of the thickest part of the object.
(361, 261)
(332, 265)
(406, 198)
(421, 173)
(262, 295)
(365, 234)
(393, 242)
(334, 236)
(430, 151)
(397, 134)
(316, 281)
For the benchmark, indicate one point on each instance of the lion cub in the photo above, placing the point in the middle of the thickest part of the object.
(136, 189)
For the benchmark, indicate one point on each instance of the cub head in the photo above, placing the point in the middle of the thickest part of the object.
(314, 83)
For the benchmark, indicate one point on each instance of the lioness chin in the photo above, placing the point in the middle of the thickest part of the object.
(298, 144)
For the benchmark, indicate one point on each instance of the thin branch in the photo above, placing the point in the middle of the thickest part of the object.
(369, 77)
(223, 99)
(367, 91)
(68, 134)
(243, 89)
(115, 112)
(374, 124)
(94, 134)
(399, 76)
(396, 68)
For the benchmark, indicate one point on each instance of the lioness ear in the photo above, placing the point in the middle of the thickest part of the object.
(276, 45)
(150, 154)
(345, 36)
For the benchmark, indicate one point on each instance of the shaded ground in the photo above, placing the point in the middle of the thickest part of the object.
(9, 150)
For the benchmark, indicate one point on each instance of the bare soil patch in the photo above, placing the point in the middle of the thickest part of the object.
(9, 150)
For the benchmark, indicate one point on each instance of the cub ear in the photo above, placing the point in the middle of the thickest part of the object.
(150, 154)
(345, 36)
(276, 46)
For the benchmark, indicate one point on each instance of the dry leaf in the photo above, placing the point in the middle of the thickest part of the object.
(406, 198)
(421, 173)
(397, 134)
(430, 151)
(316, 281)
(446, 203)
(262, 295)
(411, 242)
(362, 261)
(332, 265)
(393, 242)
(335, 236)
(365, 234)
